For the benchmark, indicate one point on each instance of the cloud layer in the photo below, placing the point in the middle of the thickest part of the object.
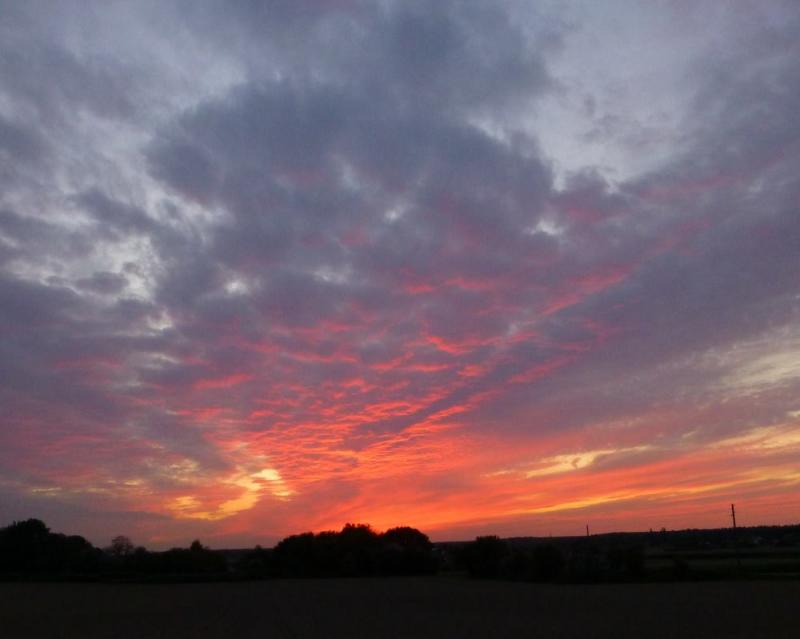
(276, 266)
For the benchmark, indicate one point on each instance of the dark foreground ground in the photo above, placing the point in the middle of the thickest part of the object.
(414, 607)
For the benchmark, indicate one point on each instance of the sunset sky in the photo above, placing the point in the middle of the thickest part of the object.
(507, 267)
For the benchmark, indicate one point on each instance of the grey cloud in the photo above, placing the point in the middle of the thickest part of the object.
(47, 240)
(712, 240)
(115, 218)
(103, 282)
(19, 143)
(25, 304)
(50, 80)
(463, 55)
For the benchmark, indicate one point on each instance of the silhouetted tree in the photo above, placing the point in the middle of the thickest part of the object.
(194, 560)
(358, 545)
(294, 556)
(406, 551)
(24, 546)
(121, 546)
(29, 547)
(356, 550)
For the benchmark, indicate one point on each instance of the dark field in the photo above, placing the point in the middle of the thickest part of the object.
(414, 607)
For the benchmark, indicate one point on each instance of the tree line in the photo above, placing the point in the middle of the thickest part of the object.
(28, 549)
(356, 550)
(573, 560)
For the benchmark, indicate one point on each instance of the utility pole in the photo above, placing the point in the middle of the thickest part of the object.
(587, 530)
(733, 515)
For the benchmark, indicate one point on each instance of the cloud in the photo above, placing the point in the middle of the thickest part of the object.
(266, 259)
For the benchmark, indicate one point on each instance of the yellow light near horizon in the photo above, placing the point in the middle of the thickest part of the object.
(253, 484)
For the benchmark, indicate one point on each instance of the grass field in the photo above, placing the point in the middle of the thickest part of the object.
(414, 607)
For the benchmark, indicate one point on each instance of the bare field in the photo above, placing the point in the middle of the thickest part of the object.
(414, 607)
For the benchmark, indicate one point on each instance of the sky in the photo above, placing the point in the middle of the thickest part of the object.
(479, 267)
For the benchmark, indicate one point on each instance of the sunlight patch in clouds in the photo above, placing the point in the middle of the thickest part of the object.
(568, 462)
(254, 485)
